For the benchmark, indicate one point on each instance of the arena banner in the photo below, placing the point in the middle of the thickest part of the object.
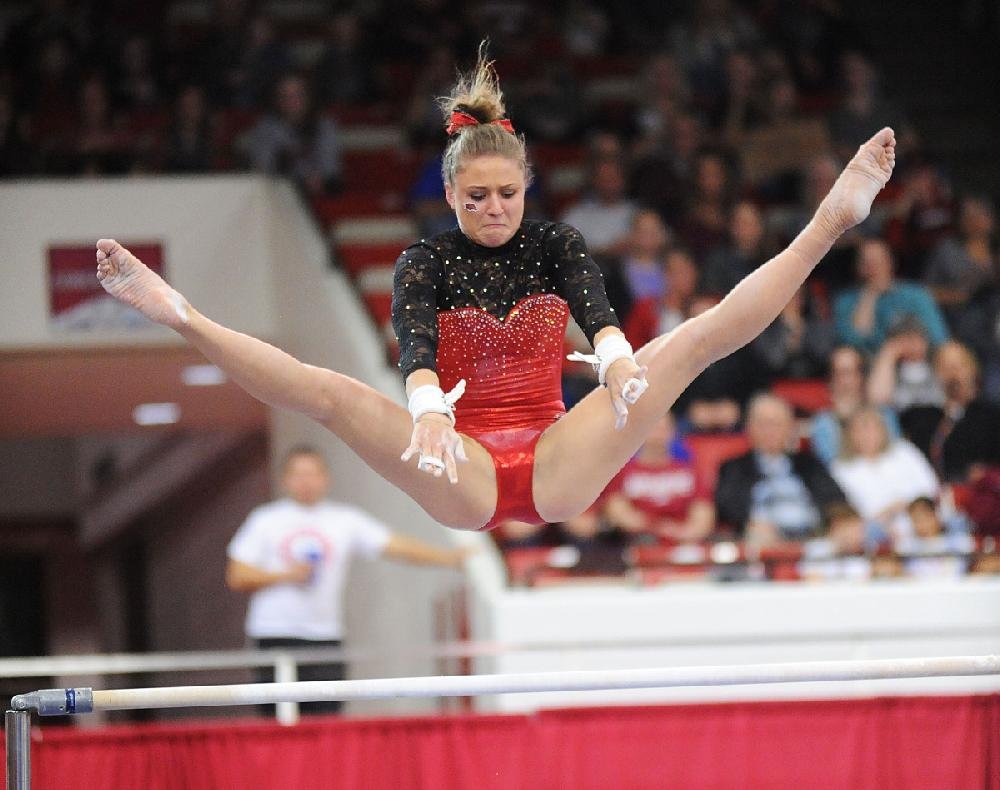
(78, 303)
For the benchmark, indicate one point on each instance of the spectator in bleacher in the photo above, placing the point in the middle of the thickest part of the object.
(848, 393)
(850, 533)
(604, 215)
(651, 317)
(659, 494)
(979, 329)
(965, 265)
(947, 544)
(296, 140)
(644, 263)
(137, 84)
(706, 217)
(902, 375)
(797, 344)
(190, 147)
(921, 217)
(744, 250)
(774, 493)
(292, 556)
(865, 313)
(346, 72)
(964, 442)
(840, 554)
(880, 476)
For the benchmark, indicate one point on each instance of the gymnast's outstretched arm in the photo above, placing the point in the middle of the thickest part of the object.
(760, 297)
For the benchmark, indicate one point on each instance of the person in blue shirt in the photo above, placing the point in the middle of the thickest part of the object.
(865, 314)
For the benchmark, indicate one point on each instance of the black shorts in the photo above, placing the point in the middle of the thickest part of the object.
(332, 671)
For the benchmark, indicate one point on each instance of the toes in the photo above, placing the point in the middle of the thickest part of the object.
(884, 136)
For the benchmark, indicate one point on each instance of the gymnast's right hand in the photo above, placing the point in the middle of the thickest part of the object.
(437, 446)
(129, 280)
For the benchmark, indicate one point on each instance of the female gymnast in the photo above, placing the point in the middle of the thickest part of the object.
(488, 302)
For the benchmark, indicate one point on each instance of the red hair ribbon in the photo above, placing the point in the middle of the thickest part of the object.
(460, 119)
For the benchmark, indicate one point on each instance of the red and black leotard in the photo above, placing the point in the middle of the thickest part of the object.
(496, 316)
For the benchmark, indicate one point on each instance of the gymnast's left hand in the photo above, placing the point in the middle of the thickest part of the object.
(625, 381)
(437, 446)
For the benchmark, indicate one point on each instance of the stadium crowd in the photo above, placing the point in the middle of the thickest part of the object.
(862, 429)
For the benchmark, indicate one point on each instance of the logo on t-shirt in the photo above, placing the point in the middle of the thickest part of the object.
(659, 487)
(306, 545)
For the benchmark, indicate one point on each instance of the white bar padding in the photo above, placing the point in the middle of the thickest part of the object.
(579, 680)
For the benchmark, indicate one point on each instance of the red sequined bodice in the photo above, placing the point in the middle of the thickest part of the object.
(512, 368)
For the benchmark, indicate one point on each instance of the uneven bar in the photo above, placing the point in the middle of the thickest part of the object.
(476, 685)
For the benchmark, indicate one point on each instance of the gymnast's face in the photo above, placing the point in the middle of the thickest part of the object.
(488, 198)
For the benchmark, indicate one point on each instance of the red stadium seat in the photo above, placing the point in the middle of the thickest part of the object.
(522, 563)
(355, 258)
(356, 203)
(380, 169)
(807, 395)
(380, 306)
(650, 577)
(710, 450)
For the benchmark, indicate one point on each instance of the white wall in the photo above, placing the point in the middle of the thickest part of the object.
(704, 624)
(212, 231)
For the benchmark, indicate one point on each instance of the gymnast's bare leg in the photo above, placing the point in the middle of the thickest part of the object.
(587, 433)
(371, 424)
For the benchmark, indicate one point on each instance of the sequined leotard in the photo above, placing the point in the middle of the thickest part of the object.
(496, 316)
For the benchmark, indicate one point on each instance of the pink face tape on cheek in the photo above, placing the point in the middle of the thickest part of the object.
(471, 208)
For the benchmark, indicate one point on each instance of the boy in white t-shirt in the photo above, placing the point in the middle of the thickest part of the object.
(292, 556)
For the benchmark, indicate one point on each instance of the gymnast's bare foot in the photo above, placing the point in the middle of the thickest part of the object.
(128, 279)
(850, 199)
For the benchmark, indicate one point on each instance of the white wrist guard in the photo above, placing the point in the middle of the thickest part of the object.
(430, 399)
(609, 350)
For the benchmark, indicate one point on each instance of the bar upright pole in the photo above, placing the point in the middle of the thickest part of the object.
(17, 731)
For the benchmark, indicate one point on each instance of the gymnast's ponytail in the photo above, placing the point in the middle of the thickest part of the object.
(475, 119)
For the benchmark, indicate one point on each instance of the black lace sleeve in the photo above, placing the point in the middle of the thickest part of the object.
(415, 284)
(580, 280)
